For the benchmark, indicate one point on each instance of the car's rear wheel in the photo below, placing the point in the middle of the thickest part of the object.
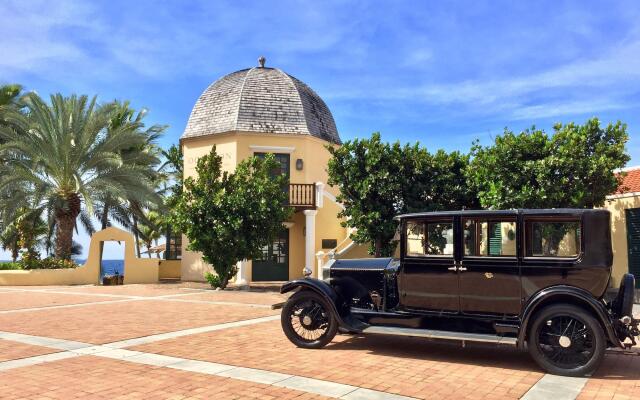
(308, 321)
(566, 340)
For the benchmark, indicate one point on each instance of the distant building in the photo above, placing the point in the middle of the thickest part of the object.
(262, 110)
(625, 226)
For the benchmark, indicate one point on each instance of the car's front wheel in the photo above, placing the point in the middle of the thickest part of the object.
(567, 340)
(308, 321)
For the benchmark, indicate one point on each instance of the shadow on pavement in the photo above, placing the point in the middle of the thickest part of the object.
(616, 365)
(479, 354)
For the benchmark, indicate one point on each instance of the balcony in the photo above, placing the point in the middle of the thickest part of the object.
(302, 196)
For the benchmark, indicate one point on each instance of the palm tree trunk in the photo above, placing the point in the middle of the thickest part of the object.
(64, 236)
(65, 223)
(104, 222)
(135, 235)
(14, 250)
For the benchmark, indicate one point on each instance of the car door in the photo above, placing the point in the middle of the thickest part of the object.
(489, 271)
(428, 279)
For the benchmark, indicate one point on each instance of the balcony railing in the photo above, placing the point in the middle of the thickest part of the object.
(302, 196)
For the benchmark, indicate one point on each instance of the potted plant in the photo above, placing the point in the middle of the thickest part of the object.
(108, 280)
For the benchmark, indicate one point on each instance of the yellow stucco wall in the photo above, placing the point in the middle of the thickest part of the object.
(170, 269)
(136, 270)
(237, 146)
(619, 234)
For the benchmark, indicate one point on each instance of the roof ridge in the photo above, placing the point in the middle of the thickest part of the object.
(244, 80)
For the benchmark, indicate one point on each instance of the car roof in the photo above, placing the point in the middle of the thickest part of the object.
(513, 212)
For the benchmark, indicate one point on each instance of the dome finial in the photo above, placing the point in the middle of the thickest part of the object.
(261, 61)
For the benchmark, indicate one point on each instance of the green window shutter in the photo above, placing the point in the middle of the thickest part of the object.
(633, 242)
(495, 239)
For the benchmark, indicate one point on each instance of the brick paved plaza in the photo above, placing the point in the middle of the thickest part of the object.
(183, 341)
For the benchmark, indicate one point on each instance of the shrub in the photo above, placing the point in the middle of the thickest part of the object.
(213, 279)
(229, 217)
(10, 265)
(49, 263)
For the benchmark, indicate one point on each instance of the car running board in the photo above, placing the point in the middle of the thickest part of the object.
(435, 334)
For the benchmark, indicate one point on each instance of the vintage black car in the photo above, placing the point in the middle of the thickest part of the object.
(535, 279)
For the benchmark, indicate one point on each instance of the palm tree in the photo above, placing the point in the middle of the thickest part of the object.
(10, 95)
(10, 240)
(67, 159)
(127, 211)
(9, 103)
(151, 230)
(144, 156)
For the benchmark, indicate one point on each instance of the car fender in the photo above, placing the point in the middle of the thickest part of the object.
(323, 289)
(573, 294)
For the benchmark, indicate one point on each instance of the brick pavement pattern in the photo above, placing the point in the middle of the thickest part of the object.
(104, 323)
(90, 377)
(618, 378)
(266, 298)
(14, 300)
(401, 365)
(12, 351)
(149, 290)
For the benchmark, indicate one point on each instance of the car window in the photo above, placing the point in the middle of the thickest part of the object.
(489, 238)
(550, 238)
(430, 238)
(415, 239)
(439, 239)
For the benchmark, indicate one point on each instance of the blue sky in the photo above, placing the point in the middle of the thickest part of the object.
(442, 73)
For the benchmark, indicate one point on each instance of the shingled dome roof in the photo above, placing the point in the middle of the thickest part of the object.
(265, 100)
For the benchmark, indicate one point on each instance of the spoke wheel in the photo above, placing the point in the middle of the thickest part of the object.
(566, 340)
(308, 321)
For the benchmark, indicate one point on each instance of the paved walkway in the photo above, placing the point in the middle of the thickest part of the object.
(179, 341)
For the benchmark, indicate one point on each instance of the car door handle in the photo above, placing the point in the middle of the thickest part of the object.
(453, 268)
(462, 268)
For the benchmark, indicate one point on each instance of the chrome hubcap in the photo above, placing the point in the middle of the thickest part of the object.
(565, 341)
(306, 320)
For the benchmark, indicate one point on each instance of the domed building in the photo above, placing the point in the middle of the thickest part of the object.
(264, 110)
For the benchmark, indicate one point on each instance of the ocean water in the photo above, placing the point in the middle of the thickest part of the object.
(108, 267)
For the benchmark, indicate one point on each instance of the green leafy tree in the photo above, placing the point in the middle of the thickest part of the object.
(63, 159)
(172, 171)
(230, 216)
(572, 168)
(378, 180)
(151, 230)
(368, 174)
(32, 230)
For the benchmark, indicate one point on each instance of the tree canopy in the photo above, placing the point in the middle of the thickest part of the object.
(229, 217)
(574, 167)
(378, 180)
(66, 156)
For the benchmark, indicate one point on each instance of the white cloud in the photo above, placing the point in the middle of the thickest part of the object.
(579, 107)
(31, 32)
